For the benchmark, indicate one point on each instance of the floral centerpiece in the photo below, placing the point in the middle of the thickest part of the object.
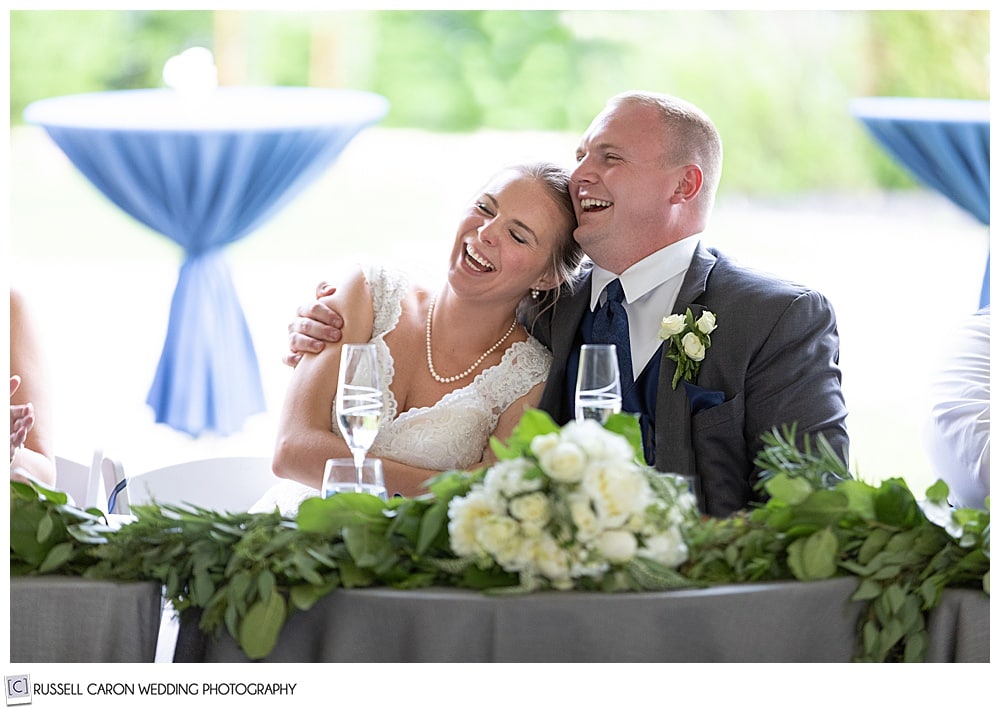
(573, 507)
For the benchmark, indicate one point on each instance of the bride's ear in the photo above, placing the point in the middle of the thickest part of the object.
(547, 282)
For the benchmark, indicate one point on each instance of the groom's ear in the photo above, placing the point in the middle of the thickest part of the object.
(689, 184)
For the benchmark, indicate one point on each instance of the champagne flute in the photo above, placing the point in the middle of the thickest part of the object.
(598, 383)
(359, 401)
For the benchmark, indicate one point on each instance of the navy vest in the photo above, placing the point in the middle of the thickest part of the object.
(639, 397)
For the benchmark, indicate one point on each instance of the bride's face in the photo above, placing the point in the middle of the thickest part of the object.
(507, 237)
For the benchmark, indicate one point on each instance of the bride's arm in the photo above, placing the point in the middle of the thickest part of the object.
(305, 437)
(511, 416)
(404, 479)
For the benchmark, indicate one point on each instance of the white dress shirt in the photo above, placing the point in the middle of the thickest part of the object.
(651, 287)
(957, 429)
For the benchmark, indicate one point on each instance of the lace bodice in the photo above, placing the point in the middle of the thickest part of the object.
(451, 434)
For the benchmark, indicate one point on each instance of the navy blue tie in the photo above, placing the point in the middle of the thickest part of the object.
(611, 326)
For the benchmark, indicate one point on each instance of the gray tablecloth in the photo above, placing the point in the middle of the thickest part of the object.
(67, 619)
(774, 622)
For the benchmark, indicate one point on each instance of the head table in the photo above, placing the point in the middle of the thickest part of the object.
(63, 620)
(205, 169)
(944, 143)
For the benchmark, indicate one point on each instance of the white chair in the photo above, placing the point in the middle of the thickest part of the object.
(81, 482)
(225, 484)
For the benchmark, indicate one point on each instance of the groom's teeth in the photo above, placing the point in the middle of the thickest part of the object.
(592, 204)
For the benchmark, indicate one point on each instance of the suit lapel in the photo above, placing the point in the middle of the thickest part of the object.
(565, 321)
(674, 450)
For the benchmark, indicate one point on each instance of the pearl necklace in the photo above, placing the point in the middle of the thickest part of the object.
(472, 368)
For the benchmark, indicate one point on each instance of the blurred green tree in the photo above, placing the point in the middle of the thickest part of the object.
(776, 83)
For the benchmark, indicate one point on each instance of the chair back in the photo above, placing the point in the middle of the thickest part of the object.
(226, 484)
(81, 481)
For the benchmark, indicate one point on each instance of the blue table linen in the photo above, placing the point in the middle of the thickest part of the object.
(205, 187)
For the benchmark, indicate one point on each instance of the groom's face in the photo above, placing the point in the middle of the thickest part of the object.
(621, 186)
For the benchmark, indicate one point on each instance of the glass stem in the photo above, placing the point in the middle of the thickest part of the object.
(359, 464)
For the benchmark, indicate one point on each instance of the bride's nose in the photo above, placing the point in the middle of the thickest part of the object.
(488, 232)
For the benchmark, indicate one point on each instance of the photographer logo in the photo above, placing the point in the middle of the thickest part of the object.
(18, 689)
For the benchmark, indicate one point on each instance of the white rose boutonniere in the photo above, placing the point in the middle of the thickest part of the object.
(689, 339)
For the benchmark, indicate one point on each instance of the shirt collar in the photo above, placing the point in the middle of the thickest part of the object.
(646, 274)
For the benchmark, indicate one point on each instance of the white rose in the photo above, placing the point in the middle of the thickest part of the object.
(617, 490)
(584, 518)
(564, 462)
(498, 536)
(597, 443)
(706, 324)
(531, 508)
(466, 514)
(693, 347)
(667, 548)
(671, 325)
(543, 442)
(506, 479)
(617, 545)
(551, 561)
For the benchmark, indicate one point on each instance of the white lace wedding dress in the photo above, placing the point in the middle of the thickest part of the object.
(452, 433)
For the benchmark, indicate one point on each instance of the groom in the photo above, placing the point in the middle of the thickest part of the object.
(643, 189)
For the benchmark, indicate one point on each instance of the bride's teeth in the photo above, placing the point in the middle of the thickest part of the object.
(477, 259)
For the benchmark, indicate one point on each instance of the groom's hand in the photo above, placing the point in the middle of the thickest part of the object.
(315, 325)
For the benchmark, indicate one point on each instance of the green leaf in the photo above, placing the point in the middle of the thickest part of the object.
(46, 527)
(787, 489)
(303, 596)
(860, 498)
(867, 590)
(895, 505)
(938, 492)
(873, 544)
(433, 523)
(814, 557)
(202, 587)
(261, 626)
(265, 585)
(367, 547)
(57, 556)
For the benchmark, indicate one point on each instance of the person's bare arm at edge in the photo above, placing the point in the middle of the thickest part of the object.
(316, 324)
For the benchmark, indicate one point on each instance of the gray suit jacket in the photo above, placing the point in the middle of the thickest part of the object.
(774, 356)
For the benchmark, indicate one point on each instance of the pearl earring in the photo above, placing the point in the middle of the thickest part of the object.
(535, 293)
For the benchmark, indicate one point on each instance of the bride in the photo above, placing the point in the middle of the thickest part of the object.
(457, 365)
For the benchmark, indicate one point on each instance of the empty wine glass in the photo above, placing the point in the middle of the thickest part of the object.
(359, 401)
(598, 383)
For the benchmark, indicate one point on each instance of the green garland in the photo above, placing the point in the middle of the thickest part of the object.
(248, 572)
